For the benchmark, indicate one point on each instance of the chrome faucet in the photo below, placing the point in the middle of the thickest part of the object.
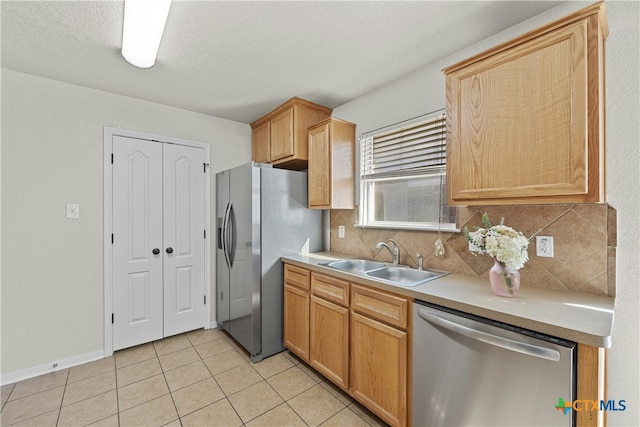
(420, 260)
(395, 252)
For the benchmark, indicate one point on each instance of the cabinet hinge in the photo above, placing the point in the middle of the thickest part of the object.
(112, 238)
(111, 158)
(204, 167)
(112, 318)
(205, 234)
(205, 300)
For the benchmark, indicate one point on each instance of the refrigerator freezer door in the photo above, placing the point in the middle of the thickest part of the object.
(244, 251)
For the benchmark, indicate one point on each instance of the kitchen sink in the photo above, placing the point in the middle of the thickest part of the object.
(356, 265)
(404, 276)
(398, 275)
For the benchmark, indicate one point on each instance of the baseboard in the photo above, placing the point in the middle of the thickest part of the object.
(58, 365)
(213, 325)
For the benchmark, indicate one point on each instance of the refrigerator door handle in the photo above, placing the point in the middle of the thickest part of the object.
(231, 242)
(225, 228)
(503, 342)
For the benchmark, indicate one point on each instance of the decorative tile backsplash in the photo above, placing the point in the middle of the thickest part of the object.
(584, 238)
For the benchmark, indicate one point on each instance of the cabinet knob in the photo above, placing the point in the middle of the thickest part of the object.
(156, 251)
(169, 250)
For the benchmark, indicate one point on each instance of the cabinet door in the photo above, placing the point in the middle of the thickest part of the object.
(329, 336)
(319, 167)
(282, 135)
(379, 368)
(525, 123)
(296, 321)
(262, 143)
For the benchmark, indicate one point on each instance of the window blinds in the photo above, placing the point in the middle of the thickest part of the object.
(410, 150)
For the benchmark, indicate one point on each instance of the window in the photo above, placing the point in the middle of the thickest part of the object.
(403, 178)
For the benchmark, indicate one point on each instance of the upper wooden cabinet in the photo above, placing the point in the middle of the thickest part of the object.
(262, 143)
(525, 120)
(331, 164)
(280, 137)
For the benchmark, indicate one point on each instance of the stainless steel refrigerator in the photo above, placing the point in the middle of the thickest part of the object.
(261, 215)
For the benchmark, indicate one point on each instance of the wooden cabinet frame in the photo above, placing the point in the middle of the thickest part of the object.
(286, 133)
(331, 164)
(525, 120)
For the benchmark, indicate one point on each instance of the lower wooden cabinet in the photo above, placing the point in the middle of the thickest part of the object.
(379, 368)
(296, 321)
(379, 346)
(329, 335)
(357, 337)
(296, 310)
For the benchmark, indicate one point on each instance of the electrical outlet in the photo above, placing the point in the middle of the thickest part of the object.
(341, 231)
(73, 210)
(544, 246)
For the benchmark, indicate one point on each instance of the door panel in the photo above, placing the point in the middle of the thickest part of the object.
(137, 229)
(158, 204)
(184, 225)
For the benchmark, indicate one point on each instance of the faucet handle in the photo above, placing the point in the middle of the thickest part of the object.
(420, 260)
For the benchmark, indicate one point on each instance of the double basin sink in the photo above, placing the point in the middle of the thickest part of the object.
(388, 273)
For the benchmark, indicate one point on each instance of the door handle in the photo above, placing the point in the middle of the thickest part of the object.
(503, 342)
(225, 231)
(169, 250)
(232, 235)
(156, 251)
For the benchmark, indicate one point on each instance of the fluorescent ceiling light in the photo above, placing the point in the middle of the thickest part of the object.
(143, 26)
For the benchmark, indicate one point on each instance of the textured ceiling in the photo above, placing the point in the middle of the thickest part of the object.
(238, 60)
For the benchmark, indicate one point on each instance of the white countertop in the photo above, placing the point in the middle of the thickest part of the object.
(579, 317)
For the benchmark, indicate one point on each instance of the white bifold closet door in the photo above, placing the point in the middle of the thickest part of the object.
(158, 240)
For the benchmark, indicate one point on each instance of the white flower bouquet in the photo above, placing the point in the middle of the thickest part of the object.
(505, 244)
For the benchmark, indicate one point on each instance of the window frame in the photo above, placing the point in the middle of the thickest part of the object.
(366, 201)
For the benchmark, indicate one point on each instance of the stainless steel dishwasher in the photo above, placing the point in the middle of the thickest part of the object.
(471, 371)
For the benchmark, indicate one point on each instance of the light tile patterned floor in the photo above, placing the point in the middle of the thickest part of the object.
(201, 378)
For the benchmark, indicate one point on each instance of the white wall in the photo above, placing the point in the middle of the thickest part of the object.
(423, 92)
(52, 143)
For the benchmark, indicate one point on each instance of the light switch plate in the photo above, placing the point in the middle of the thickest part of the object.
(341, 231)
(73, 210)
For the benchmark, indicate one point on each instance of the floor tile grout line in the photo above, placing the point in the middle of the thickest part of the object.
(164, 375)
(35, 394)
(226, 397)
(13, 387)
(115, 368)
(64, 392)
(284, 401)
(169, 387)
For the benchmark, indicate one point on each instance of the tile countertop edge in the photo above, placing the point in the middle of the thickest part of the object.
(583, 318)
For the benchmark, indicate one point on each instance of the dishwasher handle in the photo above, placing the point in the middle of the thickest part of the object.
(503, 342)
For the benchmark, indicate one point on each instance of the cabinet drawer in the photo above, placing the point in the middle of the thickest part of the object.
(330, 288)
(387, 308)
(296, 276)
